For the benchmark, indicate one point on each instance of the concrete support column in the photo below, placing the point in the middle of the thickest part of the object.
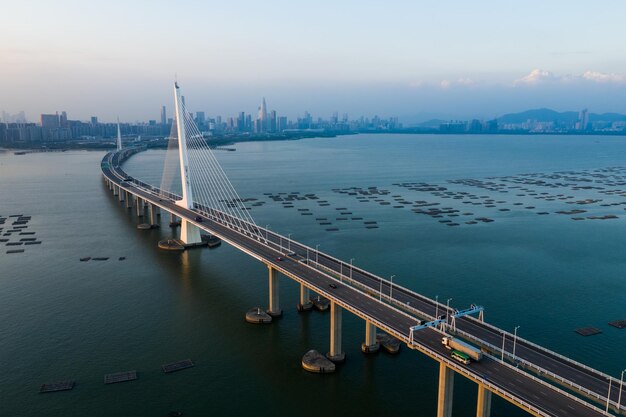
(305, 302)
(483, 405)
(189, 233)
(116, 190)
(121, 193)
(139, 207)
(274, 307)
(446, 389)
(370, 345)
(172, 218)
(129, 199)
(335, 354)
(153, 218)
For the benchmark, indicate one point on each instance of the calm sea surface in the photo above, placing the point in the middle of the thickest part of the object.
(65, 319)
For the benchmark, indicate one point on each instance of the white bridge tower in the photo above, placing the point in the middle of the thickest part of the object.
(189, 233)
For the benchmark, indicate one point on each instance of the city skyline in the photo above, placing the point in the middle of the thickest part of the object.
(354, 57)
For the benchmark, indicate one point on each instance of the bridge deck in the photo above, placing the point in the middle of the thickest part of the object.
(513, 384)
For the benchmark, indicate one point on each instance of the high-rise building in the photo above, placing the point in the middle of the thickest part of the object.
(163, 116)
(94, 120)
(282, 123)
(63, 120)
(583, 120)
(241, 122)
(262, 126)
(200, 117)
(50, 121)
(272, 121)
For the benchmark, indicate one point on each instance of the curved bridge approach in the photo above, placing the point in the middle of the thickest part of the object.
(542, 382)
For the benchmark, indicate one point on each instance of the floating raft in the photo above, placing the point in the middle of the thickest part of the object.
(389, 343)
(620, 324)
(120, 377)
(15, 251)
(57, 386)
(588, 331)
(177, 366)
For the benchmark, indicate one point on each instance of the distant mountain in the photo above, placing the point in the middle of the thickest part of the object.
(548, 115)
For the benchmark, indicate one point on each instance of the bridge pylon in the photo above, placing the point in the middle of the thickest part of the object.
(189, 233)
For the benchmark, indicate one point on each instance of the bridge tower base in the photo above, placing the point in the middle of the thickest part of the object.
(446, 389)
(335, 354)
(305, 303)
(370, 345)
(483, 405)
(189, 232)
(274, 307)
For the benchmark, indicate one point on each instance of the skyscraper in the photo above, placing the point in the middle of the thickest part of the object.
(262, 126)
(50, 121)
(163, 116)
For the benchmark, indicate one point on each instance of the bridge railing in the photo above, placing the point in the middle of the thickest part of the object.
(540, 370)
(215, 214)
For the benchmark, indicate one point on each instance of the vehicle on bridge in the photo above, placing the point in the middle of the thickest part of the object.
(462, 351)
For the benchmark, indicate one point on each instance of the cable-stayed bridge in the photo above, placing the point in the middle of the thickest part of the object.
(542, 382)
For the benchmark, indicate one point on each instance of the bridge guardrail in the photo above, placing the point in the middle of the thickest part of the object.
(158, 192)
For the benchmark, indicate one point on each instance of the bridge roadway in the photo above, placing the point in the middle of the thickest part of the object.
(516, 386)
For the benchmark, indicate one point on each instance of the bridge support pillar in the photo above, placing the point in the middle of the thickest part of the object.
(116, 189)
(446, 389)
(335, 354)
(189, 232)
(483, 406)
(370, 345)
(120, 193)
(129, 199)
(139, 207)
(274, 307)
(153, 217)
(305, 302)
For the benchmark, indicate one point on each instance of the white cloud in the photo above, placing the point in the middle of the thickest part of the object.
(601, 77)
(445, 84)
(539, 76)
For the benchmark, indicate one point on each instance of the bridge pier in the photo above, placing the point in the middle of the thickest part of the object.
(483, 405)
(274, 307)
(189, 233)
(446, 390)
(335, 354)
(129, 199)
(139, 207)
(305, 302)
(120, 193)
(116, 190)
(370, 345)
(153, 216)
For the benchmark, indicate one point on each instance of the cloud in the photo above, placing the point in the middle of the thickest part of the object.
(601, 77)
(539, 76)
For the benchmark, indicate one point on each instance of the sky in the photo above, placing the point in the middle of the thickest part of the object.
(412, 59)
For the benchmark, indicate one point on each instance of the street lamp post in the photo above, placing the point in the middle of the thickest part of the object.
(289, 242)
(608, 396)
(391, 287)
(380, 292)
(341, 271)
(448, 309)
(436, 307)
(621, 385)
(503, 339)
(351, 259)
(514, 341)
(267, 228)
(317, 255)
